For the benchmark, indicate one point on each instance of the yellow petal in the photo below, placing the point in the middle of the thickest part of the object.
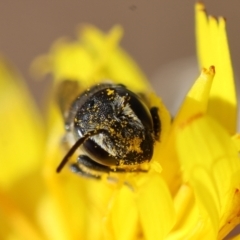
(124, 215)
(196, 100)
(171, 170)
(237, 237)
(208, 156)
(236, 140)
(231, 216)
(212, 48)
(55, 203)
(187, 214)
(155, 205)
(21, 130)
(95, 57)
(14, 221)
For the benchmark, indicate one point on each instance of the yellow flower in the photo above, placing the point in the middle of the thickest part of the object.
(192, 188)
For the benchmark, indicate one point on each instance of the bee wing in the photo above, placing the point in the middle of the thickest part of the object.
(67, 91)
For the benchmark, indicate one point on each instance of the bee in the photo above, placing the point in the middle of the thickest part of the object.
(112, 127)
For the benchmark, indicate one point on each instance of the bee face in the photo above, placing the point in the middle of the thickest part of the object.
(115, 129)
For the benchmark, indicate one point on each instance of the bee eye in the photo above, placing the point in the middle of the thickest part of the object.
(99, 154)
(141, 112)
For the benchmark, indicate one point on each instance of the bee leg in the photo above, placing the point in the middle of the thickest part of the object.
(156, 122)
(88, 163)
(92, 165)
(76, 169)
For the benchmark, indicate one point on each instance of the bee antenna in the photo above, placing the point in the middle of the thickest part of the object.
(76, 145)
